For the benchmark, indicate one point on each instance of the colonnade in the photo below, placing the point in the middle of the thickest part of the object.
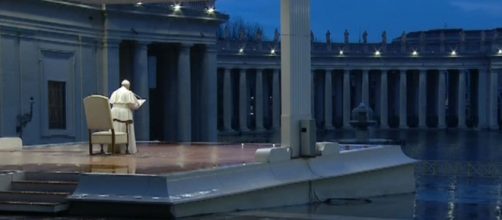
(250, 99)
(182, 78)
(400, 97)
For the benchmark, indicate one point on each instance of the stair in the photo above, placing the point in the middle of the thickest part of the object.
(43, 192)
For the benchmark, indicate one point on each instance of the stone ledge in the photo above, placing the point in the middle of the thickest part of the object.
(11, 143)
(273, 154)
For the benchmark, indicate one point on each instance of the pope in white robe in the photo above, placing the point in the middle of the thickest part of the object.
(123, 102)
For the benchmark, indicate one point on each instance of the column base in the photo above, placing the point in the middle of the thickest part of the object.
(228, 132)
(462, 126)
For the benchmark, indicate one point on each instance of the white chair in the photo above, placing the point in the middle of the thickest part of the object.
(100, 123)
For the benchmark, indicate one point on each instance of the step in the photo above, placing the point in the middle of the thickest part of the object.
(43, 186)
(33, 196)
(52, 176)
(23, 206)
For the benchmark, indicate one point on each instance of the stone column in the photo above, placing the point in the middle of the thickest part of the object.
(276, 99)
(259, 100)
(441, 99)
(493, 119)
(422, 98)
(461, 98)
(483, 98)
(402, 100)
(184, 118)
(140, 87)
(111, 64)
(315, 115)
(227, 100)
(328, 100)
(384, 100)
(209, 101)
(346, 98)
(295, 63)
(243, 101)
(365, 88)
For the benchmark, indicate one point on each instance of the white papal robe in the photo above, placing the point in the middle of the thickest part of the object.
(123, 103)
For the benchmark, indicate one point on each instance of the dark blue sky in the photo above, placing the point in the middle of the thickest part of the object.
(375, 16)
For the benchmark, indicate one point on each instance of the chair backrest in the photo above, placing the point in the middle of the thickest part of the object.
(98, 113)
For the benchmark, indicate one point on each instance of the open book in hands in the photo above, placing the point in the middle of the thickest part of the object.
(140, 102)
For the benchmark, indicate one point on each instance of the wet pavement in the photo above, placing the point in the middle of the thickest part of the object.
(459, 175)
(150, 159)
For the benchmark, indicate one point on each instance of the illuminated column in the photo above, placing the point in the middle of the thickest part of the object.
(184, 93)
(461, 98)
(365, 88)
(346, 98)
(259, 100)
(328, 100)
(140, 87)
(422, 98)
(243, 101)
(295, 63)
(276, 99)
(493, 120)
(402, 100)
(227, 100)
(483, 98)
(384, 99)
(441, 99)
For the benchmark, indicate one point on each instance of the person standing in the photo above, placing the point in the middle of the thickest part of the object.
(124, 101)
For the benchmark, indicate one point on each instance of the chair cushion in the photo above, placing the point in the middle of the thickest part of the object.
(105, 137)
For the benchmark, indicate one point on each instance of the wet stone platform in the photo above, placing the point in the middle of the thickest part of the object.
(156, 158)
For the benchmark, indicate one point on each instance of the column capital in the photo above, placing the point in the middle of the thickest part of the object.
(142, 43)
(465, 71)
(185, 45)
(422, 70)
(112, 43)
(211, 48)
(493, 69)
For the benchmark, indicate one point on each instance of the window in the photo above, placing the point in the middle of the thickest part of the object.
(57, 104)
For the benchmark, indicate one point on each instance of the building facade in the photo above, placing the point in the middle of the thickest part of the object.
(55, 53)
(205, 87)
(435, 79)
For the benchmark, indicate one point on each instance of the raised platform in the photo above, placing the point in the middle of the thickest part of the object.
(352, 173)
(154, 158)
(187, 180)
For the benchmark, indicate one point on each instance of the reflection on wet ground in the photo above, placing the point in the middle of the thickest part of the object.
(151, 158)
(459, 176)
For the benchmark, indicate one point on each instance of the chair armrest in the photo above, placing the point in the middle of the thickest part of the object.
(122, 121)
